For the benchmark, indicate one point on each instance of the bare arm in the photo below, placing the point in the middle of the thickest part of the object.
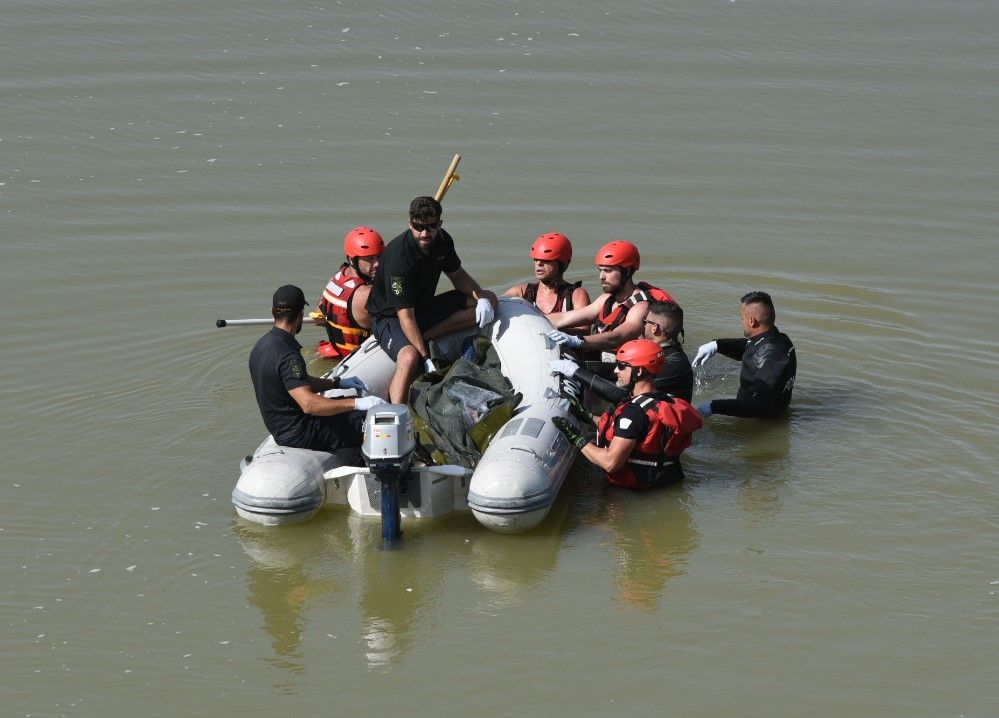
(630, 328)
(610, 458)
(515, 291)
(407, 320)
(464, 283)
(358, 310)
(315, 405)
(586, 314)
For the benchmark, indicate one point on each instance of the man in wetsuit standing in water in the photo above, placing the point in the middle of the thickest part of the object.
(769, 364)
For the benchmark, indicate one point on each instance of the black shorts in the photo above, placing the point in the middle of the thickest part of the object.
(332, 433)
(388, 330)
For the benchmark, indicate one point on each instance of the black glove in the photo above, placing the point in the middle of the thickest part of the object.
(578, 410)
(574, 437)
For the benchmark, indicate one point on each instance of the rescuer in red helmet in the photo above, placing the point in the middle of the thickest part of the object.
(639, 441)
(617, 314)
(551, 253)
(341, 308)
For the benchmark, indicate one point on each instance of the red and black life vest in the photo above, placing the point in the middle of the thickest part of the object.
(563, 292)
(672, 422)
(612, 316)
(344, 332)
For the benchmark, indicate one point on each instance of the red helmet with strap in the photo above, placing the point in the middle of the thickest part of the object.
(642, 353)
(618, 253)
(552, 246)
(363, 242)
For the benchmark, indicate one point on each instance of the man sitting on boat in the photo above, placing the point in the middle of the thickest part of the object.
(768, 363)
(341, 307)
(293, 410)
(639, 441)
(618, 313)
(664, 326)
(552, 253)
(405, 312)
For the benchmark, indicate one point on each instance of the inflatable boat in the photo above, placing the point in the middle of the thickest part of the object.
(512, 487)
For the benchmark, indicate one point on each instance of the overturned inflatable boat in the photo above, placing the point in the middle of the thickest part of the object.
(512, 487)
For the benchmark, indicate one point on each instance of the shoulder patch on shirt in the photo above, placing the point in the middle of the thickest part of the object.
(298, 369)
(624, 423)
(397, 285)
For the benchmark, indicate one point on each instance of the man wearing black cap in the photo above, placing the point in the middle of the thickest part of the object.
(294, 411)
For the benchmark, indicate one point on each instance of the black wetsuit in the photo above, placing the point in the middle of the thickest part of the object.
(676, 378)
(767, 379)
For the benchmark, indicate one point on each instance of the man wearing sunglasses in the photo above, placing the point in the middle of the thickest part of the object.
(404, 305)
(663, 325)
(639, 442)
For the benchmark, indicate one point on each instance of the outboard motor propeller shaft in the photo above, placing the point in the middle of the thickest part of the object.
(388, 450)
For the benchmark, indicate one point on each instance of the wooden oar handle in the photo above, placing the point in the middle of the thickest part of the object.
(449, 178)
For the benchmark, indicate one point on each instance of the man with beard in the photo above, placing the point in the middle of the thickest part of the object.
(768, 360)
(618, 313)
(294, 411)
(664, 326)
(342, 306)
(405, 309)
(551, 294)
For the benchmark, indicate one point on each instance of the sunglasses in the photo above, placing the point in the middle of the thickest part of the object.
(659, 327)
(425, 227)
(621, 366)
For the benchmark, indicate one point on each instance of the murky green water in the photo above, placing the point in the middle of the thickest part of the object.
(164, 165)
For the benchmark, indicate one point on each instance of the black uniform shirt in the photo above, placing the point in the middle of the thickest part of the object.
(407, 277)
(276, 366)
(769, 366)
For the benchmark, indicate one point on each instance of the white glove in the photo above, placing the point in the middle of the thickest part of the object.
(704, 409)
(570, 340)
(705, 352)
(565, 367)
(428, 365)
(484, 312)
(352, 382)
(363, 403)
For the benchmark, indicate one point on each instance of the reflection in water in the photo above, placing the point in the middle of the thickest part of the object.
(280, 586)
(755, 453)
(653, 535)
(394, 588)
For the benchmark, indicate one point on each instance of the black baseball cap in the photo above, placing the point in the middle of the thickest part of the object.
(289, 297)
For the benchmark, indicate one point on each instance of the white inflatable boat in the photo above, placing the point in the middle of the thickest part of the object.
(510, 490)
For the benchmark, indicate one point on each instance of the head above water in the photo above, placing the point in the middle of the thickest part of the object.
(553, 246)
(617, 261)
(425, 221)
(664, 323)
(756, 312)
(363, 243)
(287, 304)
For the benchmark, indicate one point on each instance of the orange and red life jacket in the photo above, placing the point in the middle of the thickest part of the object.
(612, 316)
(672, 422)
(344, 332)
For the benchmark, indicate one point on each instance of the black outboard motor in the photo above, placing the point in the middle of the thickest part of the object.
(388, 450)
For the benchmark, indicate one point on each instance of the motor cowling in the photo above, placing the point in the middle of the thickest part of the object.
(387, 448)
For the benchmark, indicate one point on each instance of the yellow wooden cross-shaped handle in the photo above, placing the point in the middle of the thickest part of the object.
(450, 177)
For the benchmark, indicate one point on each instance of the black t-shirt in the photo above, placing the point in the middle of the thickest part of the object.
(632, 423)
(407, 277)
(276, 366)
(769, 366)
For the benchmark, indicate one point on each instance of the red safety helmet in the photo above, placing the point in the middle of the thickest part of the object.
(363, 242)
(552, 246)
(642, 353)
(618, 253)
